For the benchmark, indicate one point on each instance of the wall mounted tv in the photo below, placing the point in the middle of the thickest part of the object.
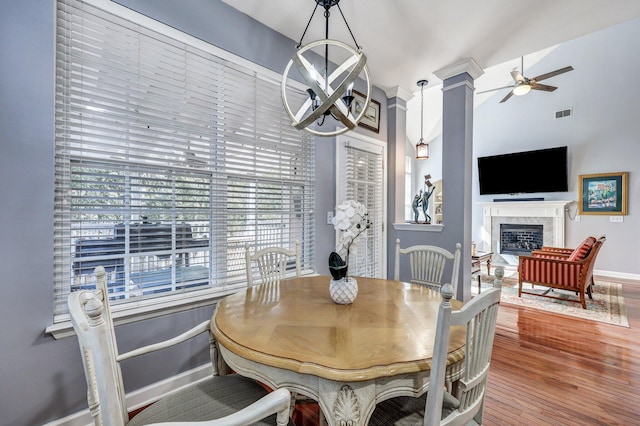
(543, 170)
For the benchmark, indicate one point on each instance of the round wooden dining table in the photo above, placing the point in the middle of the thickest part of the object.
(347, 357)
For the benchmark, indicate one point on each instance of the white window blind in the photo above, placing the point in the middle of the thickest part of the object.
(169, 159)
(360, 178)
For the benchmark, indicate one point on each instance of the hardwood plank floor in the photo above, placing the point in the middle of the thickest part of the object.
(550, 369)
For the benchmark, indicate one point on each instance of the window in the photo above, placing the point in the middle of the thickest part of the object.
(171, 155)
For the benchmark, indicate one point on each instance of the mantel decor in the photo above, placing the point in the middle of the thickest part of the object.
(603, 193)
(351, 220)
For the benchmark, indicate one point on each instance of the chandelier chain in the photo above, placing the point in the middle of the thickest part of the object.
(326, 15)
(307, 27)
(349, 28)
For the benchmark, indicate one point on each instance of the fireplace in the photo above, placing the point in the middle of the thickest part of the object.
(520, 239)
(548, 215)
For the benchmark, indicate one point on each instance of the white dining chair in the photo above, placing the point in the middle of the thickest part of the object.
(440, 407)
(214, 401)
(428, 263)
(272, 263)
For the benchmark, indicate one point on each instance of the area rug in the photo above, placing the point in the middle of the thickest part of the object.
(607, 305)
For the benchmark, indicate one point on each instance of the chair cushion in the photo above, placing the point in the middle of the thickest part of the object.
(209, 399)
(582, 251)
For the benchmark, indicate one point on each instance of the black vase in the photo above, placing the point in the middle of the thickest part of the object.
(337, 266)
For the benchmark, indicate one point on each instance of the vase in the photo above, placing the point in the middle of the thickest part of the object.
(344, 290)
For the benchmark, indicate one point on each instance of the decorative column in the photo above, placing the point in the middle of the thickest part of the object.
(396, 140)
(457, 155)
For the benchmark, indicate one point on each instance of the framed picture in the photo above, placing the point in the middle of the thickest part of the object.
(371, 118)
(603, 193)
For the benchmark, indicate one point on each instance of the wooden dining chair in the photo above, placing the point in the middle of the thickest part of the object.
(428, 263)
(440, 407)
(272, 263)
(214, 401)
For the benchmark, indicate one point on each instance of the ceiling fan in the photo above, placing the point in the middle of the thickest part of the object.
(523, 85)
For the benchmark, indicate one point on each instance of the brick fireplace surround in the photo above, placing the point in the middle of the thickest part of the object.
(549, 214)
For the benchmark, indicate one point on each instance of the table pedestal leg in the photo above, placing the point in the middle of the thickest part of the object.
(350, 404)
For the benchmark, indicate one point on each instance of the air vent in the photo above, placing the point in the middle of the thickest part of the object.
(564, 113)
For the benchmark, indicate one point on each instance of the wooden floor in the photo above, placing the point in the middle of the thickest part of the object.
(550, 369)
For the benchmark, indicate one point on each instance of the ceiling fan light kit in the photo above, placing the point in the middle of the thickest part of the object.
(523, 85)
(329, 93)
(521, 89)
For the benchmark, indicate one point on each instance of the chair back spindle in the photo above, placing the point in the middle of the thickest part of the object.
(427, 264)
(272, 263)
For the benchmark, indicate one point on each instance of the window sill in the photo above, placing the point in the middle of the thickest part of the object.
(420, 227)
(152, 308)
(156, 307)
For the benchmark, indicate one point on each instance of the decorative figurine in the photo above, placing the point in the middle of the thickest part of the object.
(422, 199)
(416, 202)
(425, 198)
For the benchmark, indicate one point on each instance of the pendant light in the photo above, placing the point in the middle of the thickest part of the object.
(422, 148)
(330, 90)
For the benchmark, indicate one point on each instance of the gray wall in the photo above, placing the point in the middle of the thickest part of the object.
(41, 379)
(602, 136)
(456, 177)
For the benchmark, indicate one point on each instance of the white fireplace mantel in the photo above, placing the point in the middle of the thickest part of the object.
(554, 210)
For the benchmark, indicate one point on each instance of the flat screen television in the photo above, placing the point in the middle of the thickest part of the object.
(543, 170)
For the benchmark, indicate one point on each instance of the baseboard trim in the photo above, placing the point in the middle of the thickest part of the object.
(143, 396)
(513, 268)
(620, 275)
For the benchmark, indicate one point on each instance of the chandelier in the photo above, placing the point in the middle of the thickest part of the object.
(330, 89)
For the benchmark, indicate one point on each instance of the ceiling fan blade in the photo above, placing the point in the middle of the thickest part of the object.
(506, 98)
(518, 77)
(497, 88)
(544, 87)
(553, 73)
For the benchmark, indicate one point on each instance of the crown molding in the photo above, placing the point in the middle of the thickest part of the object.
(467, 65)
(398, 92)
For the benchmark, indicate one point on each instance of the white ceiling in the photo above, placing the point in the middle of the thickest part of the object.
(407, 40)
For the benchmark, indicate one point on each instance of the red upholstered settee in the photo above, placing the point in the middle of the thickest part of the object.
(563, 269)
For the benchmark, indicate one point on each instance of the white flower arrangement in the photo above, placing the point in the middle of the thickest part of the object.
(351, 219)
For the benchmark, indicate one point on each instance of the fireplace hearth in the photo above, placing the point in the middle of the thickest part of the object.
(520, 239)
